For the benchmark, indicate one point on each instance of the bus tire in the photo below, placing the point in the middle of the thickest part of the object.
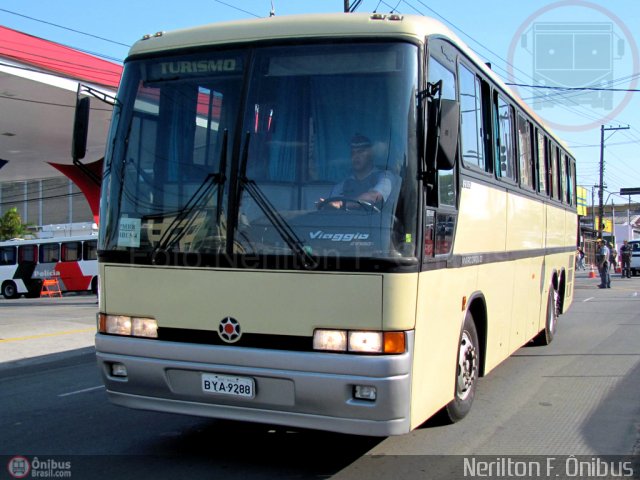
(9, 290)
(545, 337)
(94, 285)
(467, 372)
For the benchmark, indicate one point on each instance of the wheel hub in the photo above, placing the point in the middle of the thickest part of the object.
(467, 366)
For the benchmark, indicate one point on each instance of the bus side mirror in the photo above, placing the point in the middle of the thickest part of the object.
(80, 128)
(449, 129)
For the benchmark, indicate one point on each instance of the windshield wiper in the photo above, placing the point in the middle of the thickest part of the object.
(273, 215)
(179, 226)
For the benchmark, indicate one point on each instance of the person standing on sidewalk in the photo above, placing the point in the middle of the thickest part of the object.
(625, 259)
(580, 259)
(602, 260)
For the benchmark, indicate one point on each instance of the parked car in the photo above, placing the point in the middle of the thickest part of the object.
(635, 256)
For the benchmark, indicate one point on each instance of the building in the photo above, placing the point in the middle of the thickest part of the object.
(39, 82)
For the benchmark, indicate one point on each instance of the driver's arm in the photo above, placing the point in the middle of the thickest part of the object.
(380, 192)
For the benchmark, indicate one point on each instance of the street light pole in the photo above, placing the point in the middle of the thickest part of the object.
(601, 184)
(601, 189)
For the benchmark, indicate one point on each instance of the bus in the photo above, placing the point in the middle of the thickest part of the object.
(335, 222)
(24, 264)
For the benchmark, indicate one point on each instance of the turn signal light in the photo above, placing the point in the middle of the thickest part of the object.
(359, 341)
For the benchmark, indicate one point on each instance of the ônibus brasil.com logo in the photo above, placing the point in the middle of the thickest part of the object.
(20, 467)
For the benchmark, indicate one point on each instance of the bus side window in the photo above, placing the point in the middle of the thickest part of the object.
(445, 226)
(8, 256)
(541, 163)
(472, 139)
(438, 72)
(526, 158)
(71, 251)
(504, 127)
(27, 253)
(49, 253)
(90, 250)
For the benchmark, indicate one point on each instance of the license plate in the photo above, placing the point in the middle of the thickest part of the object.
(228, 385)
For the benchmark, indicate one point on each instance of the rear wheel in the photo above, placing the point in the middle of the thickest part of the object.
(467, 370)
(551, 324)
(9, 290)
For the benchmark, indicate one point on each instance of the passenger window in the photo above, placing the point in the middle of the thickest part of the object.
(49, 253)
(525, 148)
(7, 255)
(505, 157)
(71, 251)
(446, 179)
(541, 162)
(471, 119)
(28, 253)
(553, 173)
(90, 250)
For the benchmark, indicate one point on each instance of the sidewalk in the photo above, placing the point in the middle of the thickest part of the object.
(34, 328)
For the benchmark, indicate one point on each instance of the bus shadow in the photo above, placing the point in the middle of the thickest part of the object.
(249, 450)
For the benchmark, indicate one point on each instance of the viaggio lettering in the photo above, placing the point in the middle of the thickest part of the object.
(338, 237)
(200, 66)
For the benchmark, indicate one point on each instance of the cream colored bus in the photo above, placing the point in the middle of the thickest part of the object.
(335, 222)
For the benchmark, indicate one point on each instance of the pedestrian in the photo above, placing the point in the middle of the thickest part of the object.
(625, 259)
(612, 256)
(602, 260)
(580, 259)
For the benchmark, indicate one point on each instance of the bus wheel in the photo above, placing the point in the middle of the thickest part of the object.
(551, 324)
(466, 371)
(9, 290)
(94, 285)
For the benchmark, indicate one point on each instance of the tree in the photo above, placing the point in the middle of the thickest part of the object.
(11, 225)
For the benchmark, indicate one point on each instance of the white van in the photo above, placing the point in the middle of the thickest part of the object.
(635, 256)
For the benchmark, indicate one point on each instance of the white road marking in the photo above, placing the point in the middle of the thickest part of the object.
(81, 391)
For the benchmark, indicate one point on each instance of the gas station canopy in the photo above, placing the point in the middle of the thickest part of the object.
(38, 84)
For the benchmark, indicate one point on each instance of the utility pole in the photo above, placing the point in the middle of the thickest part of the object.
(601, 186)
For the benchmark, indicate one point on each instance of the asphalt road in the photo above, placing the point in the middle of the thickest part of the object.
(577, 396)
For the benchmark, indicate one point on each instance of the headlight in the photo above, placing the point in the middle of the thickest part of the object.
(359, 341)
(332, 340)
(129, 326)
(365, 342)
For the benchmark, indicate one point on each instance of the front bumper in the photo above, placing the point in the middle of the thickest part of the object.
(297, 389)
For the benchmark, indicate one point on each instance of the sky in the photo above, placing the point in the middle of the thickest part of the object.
(550, 50)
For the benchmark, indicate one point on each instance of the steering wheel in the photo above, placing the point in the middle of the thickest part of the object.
(327, 202)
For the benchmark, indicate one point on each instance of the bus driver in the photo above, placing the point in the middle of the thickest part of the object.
(365, 184)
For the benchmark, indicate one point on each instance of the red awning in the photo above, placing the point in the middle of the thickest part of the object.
(85, 183)
(58, 58)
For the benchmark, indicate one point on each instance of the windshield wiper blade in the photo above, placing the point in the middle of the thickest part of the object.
(177, 228)
(273, 215)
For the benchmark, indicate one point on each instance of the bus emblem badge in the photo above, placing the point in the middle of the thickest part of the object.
(229, 330)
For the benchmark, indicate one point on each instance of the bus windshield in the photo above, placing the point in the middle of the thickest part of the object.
(305, 151)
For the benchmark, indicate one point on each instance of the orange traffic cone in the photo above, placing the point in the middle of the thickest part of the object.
(592, 273)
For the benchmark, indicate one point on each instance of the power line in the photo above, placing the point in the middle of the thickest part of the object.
(576, 89)
(237, 8)
(65, 28)
(38, 199)
(49, 103)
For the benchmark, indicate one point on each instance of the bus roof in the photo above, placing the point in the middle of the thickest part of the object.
(321, 26)
(311, 26)
(34, 241)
